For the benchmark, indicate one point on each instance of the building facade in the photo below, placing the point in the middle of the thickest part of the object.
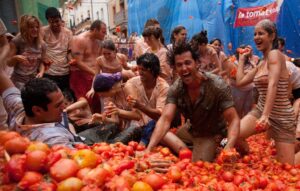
(79, 14)
(118, 15)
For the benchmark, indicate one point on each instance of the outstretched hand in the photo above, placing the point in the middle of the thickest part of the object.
(111, 109)
(97, 117)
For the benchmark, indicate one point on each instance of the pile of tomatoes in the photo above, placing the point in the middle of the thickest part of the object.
(34, 166)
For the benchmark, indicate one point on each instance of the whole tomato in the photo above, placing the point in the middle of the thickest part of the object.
(118, 183)
(85, 158)
(83, 172)
(96, 176)
(174, 174)
(101, 148)
(70, 184)
(156, 181)
(43, 186)
(29, 179)
(133, 144)
(140, 147)
(227, 176)
(16, 167)
(38, 146)
(81, 146)
(5, 136)
(16, 145)
(52, 158)
(63, 169)
(91, 187)
(36, 160)
(141, 186)
(123, 166)
(242, 50)
(165, 151)
(185, 154)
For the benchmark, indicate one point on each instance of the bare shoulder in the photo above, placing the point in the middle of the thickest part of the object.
(211, 51)
(68, 31)
(275, 56)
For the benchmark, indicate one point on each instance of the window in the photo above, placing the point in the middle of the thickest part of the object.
(102, 14)
(97, 13)
(88, 14)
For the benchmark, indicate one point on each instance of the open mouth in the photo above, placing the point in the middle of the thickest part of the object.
(258, 43)
(186, 75)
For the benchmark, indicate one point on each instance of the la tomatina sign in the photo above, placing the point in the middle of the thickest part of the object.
(252, 15)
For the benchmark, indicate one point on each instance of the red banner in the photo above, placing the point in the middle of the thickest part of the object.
(252, 15)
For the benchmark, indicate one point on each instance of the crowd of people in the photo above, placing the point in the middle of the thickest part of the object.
(66, 89)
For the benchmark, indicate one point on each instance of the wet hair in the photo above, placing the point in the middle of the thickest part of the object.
(108, 44)
(175, 31)
(25, 22)
(178, 49)
(281, 41)
(270, 28)
(149, 61)
(35, 93)
(97, 25)
(151, 22)
(200, 38)
(53, 13)
(156, 32)
(215, 39)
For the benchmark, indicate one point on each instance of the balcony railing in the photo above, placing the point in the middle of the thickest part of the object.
(120, 17)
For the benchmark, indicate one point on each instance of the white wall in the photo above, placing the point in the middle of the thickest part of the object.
(83, 10)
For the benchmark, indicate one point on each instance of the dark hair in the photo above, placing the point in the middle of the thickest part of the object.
(198, 39)
(69, 95)
(270, 27)
(281, 40)
(35, 93)
(215, 39)
(149, 61)
(151, 22)
(108, 44)
(152, 30)
(175, 31)
(52, 12)
(156, 32)
(178, 49)
(97, 25)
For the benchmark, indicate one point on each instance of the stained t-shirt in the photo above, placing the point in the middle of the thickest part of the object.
(206, 114)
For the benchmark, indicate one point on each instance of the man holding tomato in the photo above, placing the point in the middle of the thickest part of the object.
(205, 101)
(148, 93)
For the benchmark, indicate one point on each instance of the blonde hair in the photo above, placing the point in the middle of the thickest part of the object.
(25, 21)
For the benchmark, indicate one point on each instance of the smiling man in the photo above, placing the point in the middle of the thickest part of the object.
(148, 92)
(205, 101)
(36, 111)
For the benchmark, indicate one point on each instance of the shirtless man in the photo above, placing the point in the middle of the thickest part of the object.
(85, 49)
(57, 39)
